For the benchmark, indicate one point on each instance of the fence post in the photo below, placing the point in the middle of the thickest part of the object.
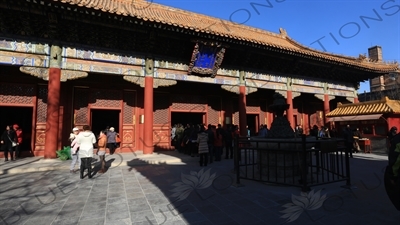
(304, 165)
(236, 153)
(347, 158)
(235, 146)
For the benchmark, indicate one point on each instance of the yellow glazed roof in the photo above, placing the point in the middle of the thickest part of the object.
(149, 11)
(365, 108)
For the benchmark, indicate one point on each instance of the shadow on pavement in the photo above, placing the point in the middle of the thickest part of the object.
(143, 189)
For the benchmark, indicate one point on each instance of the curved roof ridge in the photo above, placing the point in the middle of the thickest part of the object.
(361, 59)
(294, 42)
(219, 22)
(190, 13)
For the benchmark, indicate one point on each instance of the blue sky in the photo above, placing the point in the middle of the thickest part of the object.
(342, 27)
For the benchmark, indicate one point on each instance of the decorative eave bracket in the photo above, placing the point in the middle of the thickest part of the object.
(156, 83)
(284, 93)
(43, 73)
(235, 89)
(322, 97)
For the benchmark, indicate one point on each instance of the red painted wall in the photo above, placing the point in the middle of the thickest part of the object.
(393, 120)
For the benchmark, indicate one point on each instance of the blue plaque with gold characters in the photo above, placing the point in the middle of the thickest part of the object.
(206, 58)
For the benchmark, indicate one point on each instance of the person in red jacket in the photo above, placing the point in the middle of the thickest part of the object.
(18, 132)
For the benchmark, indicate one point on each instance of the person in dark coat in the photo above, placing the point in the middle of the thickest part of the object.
(193, 151)
(394, 156)
(392, 132)
(210, 142)
(228, 142)
(357, 137)
(392, 177)
(8, 142)
(186, 138)
(348, 136)
(218, 143)
(314, 131)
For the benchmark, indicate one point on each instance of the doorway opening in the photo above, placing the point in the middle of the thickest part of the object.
(252, 123)
(187, 117)
(23, 117)
(103, 118)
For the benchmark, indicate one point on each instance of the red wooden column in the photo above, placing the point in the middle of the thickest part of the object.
(242, 105)
(306, 123)
(270, 118)
(139, 121)
(289, 112)
(356, 100)
(326, 98)
(148, 145)
(53, 103)
(326, 107)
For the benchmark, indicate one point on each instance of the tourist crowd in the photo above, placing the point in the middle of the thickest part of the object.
(208, 142)
(11, 141)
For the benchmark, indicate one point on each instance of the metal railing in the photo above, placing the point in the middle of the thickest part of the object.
(299, 162)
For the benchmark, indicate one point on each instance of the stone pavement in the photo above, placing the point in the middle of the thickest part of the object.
(171, 188)
(37, 164)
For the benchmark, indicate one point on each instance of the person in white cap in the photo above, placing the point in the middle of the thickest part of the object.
(112, 140)
(74, 150)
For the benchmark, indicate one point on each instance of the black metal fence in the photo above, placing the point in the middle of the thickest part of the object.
(302, 162)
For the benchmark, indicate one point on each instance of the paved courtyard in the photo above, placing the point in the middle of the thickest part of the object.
(139, 189)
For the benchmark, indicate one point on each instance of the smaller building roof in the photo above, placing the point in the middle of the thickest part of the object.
(383, 106)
